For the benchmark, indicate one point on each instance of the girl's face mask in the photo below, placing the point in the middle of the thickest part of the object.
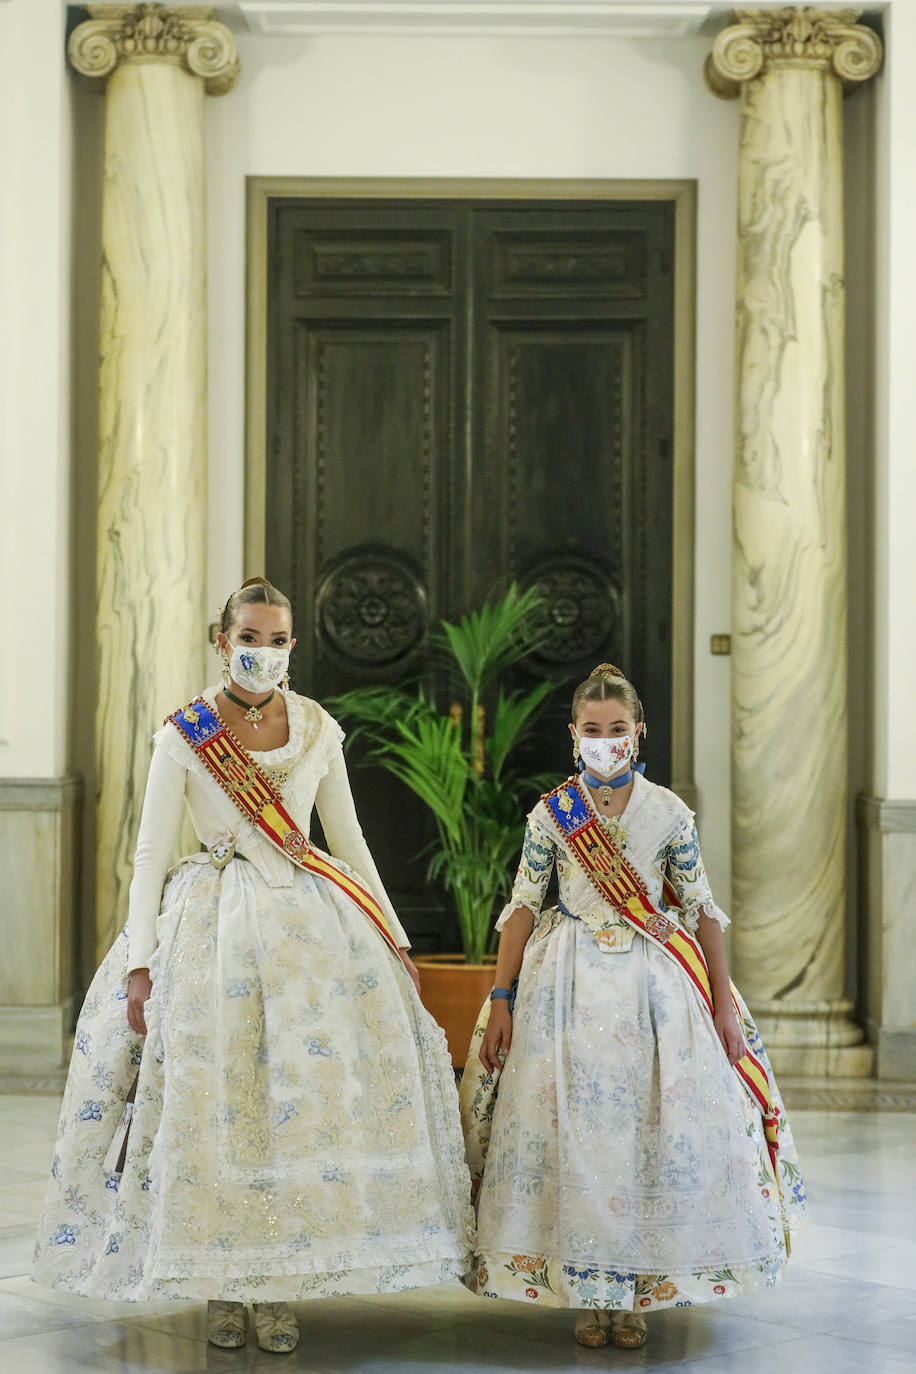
(605, 756)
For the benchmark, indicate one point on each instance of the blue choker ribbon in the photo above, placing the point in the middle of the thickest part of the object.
(619, 780)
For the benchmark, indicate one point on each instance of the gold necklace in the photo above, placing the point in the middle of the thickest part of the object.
(253, 713)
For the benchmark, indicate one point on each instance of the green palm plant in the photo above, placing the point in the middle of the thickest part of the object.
(460, 763)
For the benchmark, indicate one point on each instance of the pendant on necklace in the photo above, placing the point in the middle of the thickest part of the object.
(253, 715)
(606, 794)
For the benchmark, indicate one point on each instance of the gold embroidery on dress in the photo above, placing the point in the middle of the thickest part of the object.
(565, 803)
(191, 715)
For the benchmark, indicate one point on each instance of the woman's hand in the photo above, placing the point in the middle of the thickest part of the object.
(411, 969)
(730, 1033)
(498, 1035)
(139, 990)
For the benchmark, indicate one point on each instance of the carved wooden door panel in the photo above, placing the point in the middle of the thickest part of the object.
(460, 393)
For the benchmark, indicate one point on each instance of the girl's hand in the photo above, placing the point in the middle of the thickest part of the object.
(411, 969)
(730, 1033)
(139, 990)
(498, 1035)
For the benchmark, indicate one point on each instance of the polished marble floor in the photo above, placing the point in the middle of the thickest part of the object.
(847, 1307)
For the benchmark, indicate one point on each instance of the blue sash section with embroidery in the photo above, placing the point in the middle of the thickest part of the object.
(569, 808)
(197, 722)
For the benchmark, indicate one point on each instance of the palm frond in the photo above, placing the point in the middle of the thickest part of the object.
(486, 642)
(426, 755)
(512, 721)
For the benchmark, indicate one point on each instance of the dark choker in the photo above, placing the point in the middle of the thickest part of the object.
(252, 713)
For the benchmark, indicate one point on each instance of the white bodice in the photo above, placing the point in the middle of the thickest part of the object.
(309, 771)
(660, 837)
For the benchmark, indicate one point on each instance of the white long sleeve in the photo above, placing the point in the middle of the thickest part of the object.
(337, 813)
(163, 805)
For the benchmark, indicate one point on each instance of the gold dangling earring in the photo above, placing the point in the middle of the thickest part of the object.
(284, 682)
(576, 752)
(224, 672)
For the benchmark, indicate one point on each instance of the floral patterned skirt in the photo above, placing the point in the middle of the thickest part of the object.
(625, 1166)
(295, 1131)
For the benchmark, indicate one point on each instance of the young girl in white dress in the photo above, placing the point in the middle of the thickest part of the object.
(623, 1166)
(295, 1129)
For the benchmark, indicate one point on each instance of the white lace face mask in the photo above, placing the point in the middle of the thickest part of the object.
(258, 668)
(605, 756)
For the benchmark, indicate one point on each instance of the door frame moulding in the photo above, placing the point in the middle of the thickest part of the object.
(682, 194)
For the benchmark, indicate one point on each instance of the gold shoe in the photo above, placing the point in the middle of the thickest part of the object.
(628, 1329)
(276, 1326)
(227, 1324)
(593, 1327)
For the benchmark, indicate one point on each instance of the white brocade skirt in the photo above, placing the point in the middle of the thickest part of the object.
(296, 1129)
(626, 1166)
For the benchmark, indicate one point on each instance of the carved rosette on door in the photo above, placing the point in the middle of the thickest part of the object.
(371, 608)
(583, 607)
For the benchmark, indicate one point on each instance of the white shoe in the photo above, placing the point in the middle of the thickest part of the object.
(227, 1324)
(276, 1326)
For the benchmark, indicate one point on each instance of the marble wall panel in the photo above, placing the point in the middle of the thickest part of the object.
(39, 858)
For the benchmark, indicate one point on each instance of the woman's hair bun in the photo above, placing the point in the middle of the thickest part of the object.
(607, 670)
(256, 582)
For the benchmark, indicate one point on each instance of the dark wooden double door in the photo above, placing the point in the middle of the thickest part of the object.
(461, 393)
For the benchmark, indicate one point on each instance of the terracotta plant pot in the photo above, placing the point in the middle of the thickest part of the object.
(453, 991)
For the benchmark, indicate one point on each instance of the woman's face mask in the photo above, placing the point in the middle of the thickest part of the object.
(258, 668)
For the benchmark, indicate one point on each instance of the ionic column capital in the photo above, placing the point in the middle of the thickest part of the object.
(796, 37)
(186, 36)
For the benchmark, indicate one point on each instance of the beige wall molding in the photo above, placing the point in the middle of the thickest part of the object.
(683, 195)
(183, 34)
(890, 817)
(39, 794)
(533, 18)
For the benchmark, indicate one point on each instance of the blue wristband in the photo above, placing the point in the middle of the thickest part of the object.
(500, 995)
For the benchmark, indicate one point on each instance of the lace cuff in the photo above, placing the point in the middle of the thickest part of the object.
(510, 909)
(695, 910)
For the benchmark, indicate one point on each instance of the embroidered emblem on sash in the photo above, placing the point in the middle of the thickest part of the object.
(294, 842)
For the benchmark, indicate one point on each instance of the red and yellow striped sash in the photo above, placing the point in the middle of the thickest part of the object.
(618, 883)
(249, 787)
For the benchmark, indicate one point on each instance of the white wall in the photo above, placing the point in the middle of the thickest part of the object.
(486, 107)
(35, 440)
(894, 658)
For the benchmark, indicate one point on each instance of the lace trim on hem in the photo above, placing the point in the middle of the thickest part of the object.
(242, 1264)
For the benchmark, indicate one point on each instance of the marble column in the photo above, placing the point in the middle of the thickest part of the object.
(158, 62)
(789, 640)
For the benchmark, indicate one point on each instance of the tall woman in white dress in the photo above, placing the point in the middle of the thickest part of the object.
(628, 1167)
(295, 1130)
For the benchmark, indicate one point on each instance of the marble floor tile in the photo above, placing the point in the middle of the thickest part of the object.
(814, 1355)
(893, 1265)
(111, 1348)
(815, 1302)
(22, 1316)
(16, 1245)
(97, 1309)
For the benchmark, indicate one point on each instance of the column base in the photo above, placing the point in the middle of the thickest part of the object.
(814, 1039)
